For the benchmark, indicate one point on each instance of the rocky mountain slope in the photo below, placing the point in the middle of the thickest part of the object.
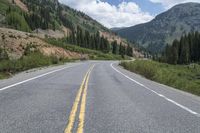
(17, 42)
(166, 27)
(47, 17)
(50, 19)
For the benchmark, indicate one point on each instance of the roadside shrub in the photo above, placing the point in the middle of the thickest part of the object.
(145, 69)
(183, 77)
(32, 60)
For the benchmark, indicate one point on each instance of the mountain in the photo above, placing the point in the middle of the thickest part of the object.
(116, 28)
(50, 19)
(166, 27)
(30, 15)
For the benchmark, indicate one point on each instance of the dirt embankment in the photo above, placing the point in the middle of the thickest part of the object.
(112, 37)
(21, 5)
(63, 32)
(137, 54)
(15, 42)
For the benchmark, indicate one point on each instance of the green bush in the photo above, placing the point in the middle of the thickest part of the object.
(145, 69)
(183, 77)
(32, 60)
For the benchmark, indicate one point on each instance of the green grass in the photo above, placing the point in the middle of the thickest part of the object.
(32, 60)
(183, 77)
(4, 75)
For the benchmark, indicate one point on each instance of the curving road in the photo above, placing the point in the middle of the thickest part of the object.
(94, 97)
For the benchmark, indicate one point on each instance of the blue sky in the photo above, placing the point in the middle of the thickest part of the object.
(145, 5)
(123, 13)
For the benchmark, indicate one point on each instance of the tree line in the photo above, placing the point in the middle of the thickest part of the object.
(84, 39)
(183, 51)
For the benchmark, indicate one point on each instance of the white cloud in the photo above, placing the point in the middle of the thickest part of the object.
(123, 15)
(169, 3)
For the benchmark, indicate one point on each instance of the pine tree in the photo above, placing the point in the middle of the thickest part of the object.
(106, 46)
(97, 41)
(114, 47)
(184, 54)
(79, 36)
(122, 50)
(87, 39)
(184, 51)
(168, 54)
(196, 46)
(92, 42)
(129, 51)
(175, 52)
(102, 44)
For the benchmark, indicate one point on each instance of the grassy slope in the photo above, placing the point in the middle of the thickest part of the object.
(186, 78)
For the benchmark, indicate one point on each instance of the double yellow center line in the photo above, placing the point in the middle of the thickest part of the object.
(82, 92)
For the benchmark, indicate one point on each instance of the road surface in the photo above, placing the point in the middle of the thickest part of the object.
(94, 97)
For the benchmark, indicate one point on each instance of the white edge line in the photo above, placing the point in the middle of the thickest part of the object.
(39, 76)
(160, 95)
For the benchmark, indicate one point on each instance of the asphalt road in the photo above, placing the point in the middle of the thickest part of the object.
(94, 97)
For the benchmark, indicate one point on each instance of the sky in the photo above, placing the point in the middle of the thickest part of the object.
(123, 13)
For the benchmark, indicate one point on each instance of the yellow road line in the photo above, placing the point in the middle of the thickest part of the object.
(83, 105)
(72, 116)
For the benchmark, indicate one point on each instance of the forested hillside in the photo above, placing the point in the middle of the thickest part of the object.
(45, 14)
(78, 28)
